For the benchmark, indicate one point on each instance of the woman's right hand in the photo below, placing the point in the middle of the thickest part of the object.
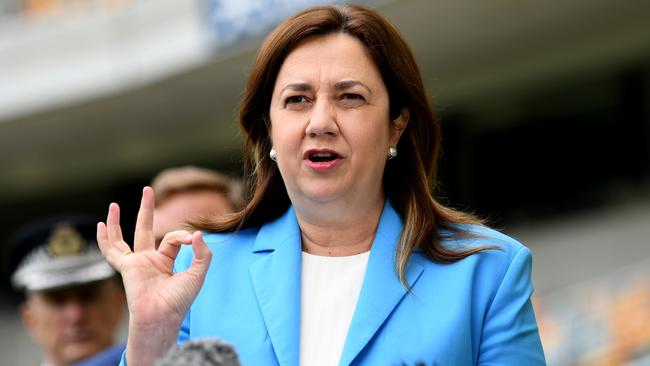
(158, 298)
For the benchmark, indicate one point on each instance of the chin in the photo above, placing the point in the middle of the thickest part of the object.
(79, 351)
(323, 194)
(324, 189)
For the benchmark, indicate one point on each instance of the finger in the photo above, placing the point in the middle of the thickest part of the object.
(111, 251)
(144, 238)
(102, 241)
(172, 242)
(113, 228)
(202, 256)
(102, 236)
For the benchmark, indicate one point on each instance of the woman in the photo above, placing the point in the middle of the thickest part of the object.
(341, 255)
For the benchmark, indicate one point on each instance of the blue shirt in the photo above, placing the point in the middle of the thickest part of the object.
(107, 357)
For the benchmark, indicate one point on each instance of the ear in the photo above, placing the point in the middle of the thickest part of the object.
(119, 296)
(398, 126)
(267, 123)
(27, 315)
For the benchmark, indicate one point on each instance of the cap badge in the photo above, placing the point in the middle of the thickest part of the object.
(65, 240)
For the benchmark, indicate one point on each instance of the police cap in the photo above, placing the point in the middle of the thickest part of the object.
(57, 252)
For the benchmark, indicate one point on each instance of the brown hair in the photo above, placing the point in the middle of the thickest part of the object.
(409, 180)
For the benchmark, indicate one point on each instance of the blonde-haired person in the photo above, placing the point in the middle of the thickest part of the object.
(187, 193)
(341, 255)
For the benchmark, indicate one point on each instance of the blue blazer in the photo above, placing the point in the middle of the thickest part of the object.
(476, 311)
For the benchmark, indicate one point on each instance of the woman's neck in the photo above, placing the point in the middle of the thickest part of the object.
(342, 233)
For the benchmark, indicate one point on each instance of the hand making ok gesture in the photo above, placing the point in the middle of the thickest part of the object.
(158, 298)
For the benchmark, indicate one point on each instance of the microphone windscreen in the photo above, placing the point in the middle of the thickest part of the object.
(205, 352)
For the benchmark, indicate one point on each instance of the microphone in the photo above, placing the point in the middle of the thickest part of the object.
(205, 352)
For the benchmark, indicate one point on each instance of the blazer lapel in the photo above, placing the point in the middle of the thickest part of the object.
(276, 279)
(381, 291)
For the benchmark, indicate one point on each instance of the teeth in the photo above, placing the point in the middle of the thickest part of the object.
(320, 157)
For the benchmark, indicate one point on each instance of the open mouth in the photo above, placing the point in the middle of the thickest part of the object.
(322, 157)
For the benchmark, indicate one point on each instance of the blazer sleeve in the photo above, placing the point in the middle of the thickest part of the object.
(510, 335)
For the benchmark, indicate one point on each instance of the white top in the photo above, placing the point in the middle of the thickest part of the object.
(330, 288)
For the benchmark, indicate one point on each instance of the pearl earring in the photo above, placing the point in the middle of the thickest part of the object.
(392, 152)
(273, 155)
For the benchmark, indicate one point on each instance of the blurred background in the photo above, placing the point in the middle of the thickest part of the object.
(545, 110)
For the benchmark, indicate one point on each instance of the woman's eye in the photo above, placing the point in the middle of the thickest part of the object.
(295, 99)
(352, 96)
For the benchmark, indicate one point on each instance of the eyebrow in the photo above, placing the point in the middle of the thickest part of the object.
(300, 87)
(341, 85)
(346, 84)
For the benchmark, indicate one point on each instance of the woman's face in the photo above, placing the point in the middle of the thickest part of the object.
(330, 121)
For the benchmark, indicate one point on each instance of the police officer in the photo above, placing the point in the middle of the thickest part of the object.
(73, 300)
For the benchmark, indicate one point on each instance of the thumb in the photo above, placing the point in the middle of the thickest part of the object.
(202, 256)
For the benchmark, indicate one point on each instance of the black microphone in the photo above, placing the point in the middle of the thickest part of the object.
(205, 352)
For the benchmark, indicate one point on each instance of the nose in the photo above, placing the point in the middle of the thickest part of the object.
(322, 120)
(73, 311)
